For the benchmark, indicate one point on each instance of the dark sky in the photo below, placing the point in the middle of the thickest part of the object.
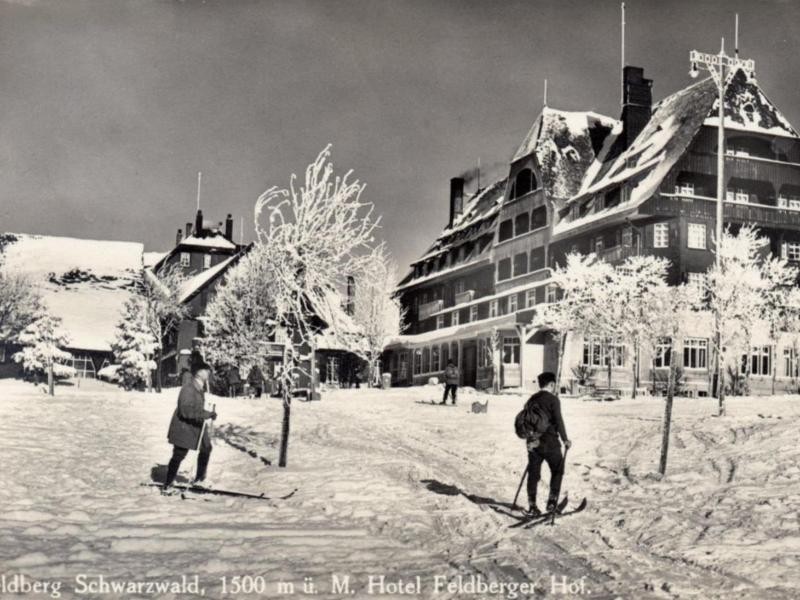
(109, 108)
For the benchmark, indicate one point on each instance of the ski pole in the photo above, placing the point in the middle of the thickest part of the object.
(519, 487)
(561, 469)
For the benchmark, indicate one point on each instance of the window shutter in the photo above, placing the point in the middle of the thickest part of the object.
(784, 250)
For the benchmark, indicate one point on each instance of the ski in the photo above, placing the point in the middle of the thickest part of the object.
(527, 519)
(194, 489)
(551, 517)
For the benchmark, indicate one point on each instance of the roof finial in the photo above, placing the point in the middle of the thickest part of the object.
(545, 93)
(199, 182)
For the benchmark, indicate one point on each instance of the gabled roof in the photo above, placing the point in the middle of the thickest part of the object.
(83, 282)
(673, 125)
(217, 241)
(477, 219)
(565, 144)
(195, 284)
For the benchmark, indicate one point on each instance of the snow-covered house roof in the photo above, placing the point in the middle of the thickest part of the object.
(194, 285)
(150, 259)
(565, 144)
(83, 282)
(673, 125)
(478, 218)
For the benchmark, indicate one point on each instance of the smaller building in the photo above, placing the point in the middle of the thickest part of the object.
(85, 283)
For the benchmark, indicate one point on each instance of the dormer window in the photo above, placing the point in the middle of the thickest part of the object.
(684, 189)
(524, 182)
(186, 259)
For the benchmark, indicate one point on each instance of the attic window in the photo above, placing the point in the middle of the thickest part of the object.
(749, 108)
(524, 183)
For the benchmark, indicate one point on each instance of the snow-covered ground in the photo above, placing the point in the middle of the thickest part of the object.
(383, 482)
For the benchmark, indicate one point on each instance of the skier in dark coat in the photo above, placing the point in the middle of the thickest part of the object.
(187, 425)
(548, 449)
(451, 377)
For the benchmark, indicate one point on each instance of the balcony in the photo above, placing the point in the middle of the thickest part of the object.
(466, 296)
(705, 208)
(429, 308)
(618, 253)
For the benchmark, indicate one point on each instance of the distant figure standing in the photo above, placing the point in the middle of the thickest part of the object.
(541, 424)
(234, 381)
(451, 378)
(186, 430)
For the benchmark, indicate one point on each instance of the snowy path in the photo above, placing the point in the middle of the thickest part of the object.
(382, 490)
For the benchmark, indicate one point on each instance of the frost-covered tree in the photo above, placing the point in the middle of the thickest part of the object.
(668, 315)
(42, 353)
(377, 314)
(240, 319)
(580, 308)
(134, 346)
(310, 237)
(779, 303)
(632, 294)
(736, 287)
(19, 302)
(160, 292)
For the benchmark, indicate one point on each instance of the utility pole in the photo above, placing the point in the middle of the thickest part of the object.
(720, 66)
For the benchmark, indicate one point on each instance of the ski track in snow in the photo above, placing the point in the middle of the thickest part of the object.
(388, 486)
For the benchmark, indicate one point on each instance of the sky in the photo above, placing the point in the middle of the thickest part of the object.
(108, 109)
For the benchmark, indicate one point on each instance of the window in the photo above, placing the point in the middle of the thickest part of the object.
(760, 361)
(789, 201)
(439, 321)
(512, 303)
(511, 350)
(504, 269)
(473, 313)
(663, 351)
(791, 251)
(417, 362)
(684, 189)
(530, 298)
(506, 230)
(454, 317)
(454, 352)
(627, 237)
(426, 360)
(434, 359)
(737, 195)
(598, 352)
(661, 235)
(699, 283)
(550, 293)
(599, 244)
(695, 353)
(521, 224)
(443, 362)
(697, 236)
(524, 182)
(537, 259)
(481, 352)
(492, 309)
(791, 367)
(206, 261)
(84, 366)
(539, 218)
(461, 286)
(520, 264)
(185, 259)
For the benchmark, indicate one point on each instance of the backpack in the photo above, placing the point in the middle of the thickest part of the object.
(531, 423)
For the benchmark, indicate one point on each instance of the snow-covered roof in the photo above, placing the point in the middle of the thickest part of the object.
(463, 330)
(747, 108)
(672, 127)
(83, 282)
(565, 145)
(213, 241)
(194, 284)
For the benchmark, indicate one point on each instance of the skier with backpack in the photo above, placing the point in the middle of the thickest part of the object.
(540, 424)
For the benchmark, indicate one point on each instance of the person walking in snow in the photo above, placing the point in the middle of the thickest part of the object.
(451, 377)
(187, 428)
(541, 424)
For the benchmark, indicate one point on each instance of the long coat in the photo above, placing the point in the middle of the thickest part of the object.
(187, 420)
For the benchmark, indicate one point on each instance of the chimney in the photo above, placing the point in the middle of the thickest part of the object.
(229, 228)
(456, 198)
(198, 223)
(178, 237)
(637, 102)
(351, 295)
(188, 230)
